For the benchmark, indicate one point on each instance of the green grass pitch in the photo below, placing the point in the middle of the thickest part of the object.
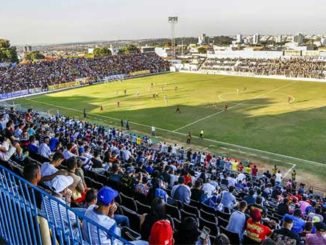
(280, 116)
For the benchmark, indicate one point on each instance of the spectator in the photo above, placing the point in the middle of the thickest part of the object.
(157, 213)
(32, 173)
(283, 208)
(285, 234)
(161, 233)
(237, 220)
(102, 214)
(197, 193)
(254, 229)
(49, 170)
(181, 192)
(228, 200)
(298, 222)
(44, 149)
(320, 236)
(250, 199)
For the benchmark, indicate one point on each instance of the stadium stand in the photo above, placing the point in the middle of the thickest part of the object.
(56, 201)
(294, 67)
(46, 73)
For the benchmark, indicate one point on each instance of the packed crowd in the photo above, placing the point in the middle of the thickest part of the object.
(260, 207)
(296, 67)
(45, 73)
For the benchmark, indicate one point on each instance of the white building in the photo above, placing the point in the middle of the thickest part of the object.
(239, 38)
(279, 39)
(256, 39)
(323, 41)
(202, 39)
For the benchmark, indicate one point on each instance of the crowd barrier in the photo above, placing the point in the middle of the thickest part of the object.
(23, 221)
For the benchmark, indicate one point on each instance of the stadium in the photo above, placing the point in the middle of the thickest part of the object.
(208, 144)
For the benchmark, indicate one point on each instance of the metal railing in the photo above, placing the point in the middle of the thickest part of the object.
(30, 215)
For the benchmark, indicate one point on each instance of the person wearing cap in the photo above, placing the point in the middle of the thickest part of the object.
(59, 213)
(161, 233)
(320, 236)
(298, 222)
(285, 232)
(102, 213)
(254, 229)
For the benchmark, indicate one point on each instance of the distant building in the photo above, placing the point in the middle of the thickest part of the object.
(147, 49)
(239, 38)
(256, 39)
(299, 38)
(27, 49)
(279, 39)
(202, 39)
(323, 41)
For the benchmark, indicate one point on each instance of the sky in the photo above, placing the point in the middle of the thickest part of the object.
(59, 21)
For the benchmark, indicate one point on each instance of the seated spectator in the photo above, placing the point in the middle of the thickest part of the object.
(142, 187)
(101, 214)
(285, 234)
(78, 186)
(298, 222)
(49, 170)
(188, 233)
(283, 208)
(58, 213)
(320, 236)
(157, 213)
(7, 149)
(32, 173)
(197, 193)
(250, 199)
(254, 229)
(115, 173)
(44, 149)
(237, 220)
(161, 233)
(228, 200)
(181, 192)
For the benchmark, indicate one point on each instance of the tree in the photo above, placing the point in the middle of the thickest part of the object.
(202, 50)
(100, 52)
(7, 53)
(34, 55)
(130, 49)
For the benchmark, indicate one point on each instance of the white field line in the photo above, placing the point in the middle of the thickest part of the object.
(294, 165)
(241, 103)
(234, 146)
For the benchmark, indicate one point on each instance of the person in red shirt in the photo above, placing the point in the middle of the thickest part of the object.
(254, 229)
(240, 167)
(254, 171)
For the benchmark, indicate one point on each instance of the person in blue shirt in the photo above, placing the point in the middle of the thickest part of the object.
(298, 222)
(237, 220)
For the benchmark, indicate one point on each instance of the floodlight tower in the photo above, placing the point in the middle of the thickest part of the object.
(173, 20)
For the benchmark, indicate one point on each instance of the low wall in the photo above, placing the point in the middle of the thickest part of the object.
(247, 74)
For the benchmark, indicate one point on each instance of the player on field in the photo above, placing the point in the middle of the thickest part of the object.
(85, 115)
(189, 138)
(226, 106)
(178, 109)
(101, 108)
(118, 104)
(201, 135)
(289, 99)
(125, 91)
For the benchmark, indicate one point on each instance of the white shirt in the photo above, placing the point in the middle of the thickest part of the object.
(67, 154)
(46, 170)
(44, 150)
(209, 189)
(100, 219)
(241, 176)
(278, 177)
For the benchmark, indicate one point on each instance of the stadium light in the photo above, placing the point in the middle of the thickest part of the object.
(173, 20)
